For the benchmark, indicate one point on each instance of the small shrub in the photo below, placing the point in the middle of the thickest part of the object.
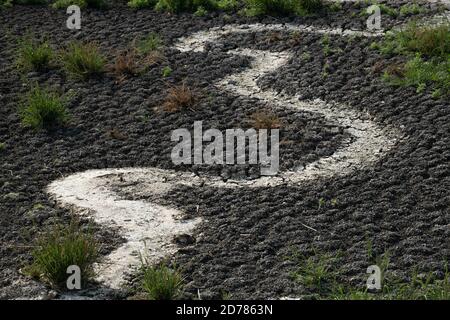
(138, 4)
(34, 54)
(43, 109)
(179, 98)
(411, 9)
(2, 146)
(83, 60)
(161, 283)
(151, 43)
(420, 73)
(63, 4)
(59, 248)
(265, 120)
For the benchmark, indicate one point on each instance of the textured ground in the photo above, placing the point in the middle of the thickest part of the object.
(401, 204)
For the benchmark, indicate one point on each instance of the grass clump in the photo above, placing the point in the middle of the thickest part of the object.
(319, 274)
(161, 283)
(151, 43)
(316, 272)
(425, 287)
(127, 64)
(6, 4)
(179, 98)
(60, 248)
(201, 12)
(265, 120)
(176, 6)
(411, 9)
(166, 71)
(429, 41)
(34, 54)
(2, 146)
(384, 9)
(308, 7)
(227, 5)
(282, 7)
(30, 2)
(428, 51)
(139, 4)
(43, 109)
(96, 4)
(83, 60)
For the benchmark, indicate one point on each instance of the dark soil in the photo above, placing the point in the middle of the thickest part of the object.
(401, 204)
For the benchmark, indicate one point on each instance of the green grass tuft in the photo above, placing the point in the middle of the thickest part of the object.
(59, 248)
(176, 6)
(201, 12)
(227, 5)
(30, 2)
(420, 73)
(34, 54)
(319, 274)
(96, 4)
(166, 71)
(411, 9)
(161, 282)
(43, 109)
(429, 41)
(83, 60)
(426, 287)
(6, 4)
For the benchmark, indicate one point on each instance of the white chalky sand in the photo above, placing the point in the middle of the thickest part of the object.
(150, 227)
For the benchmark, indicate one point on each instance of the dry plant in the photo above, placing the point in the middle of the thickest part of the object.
(265, 120)
(179, 98)
(126, 64)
